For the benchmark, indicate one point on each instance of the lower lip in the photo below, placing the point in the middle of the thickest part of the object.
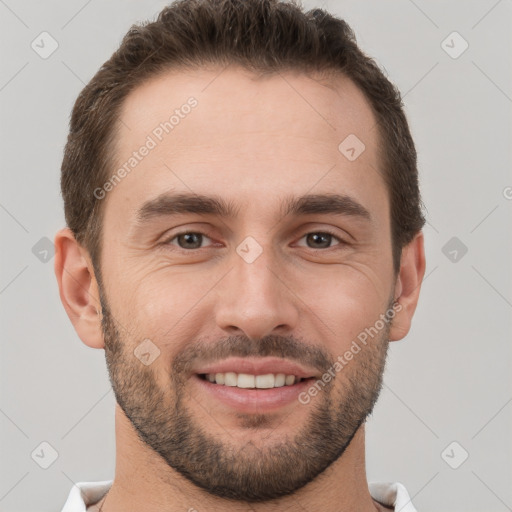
(254, 400)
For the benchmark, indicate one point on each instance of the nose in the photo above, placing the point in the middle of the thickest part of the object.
(255, 299)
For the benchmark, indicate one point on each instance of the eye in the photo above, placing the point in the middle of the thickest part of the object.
(321, 239)
(188, 240)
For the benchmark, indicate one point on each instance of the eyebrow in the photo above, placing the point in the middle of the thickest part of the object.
(169, 204)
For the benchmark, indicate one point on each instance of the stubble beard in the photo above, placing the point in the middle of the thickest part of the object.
(258, 471)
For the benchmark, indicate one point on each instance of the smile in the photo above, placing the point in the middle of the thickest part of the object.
(248, 381)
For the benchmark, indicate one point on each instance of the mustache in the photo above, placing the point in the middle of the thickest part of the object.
(285, 347)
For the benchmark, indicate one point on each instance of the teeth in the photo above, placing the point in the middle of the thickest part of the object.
(280, 380)
(265, 381)
(290, 379)
(247, 381)
(230, 379)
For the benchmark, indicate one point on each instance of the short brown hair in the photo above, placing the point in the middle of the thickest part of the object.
(261, 35)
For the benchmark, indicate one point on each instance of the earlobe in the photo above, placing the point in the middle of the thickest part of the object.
(78, 288)
(407, 287)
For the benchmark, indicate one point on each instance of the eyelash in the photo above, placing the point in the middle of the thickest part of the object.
(322, 232)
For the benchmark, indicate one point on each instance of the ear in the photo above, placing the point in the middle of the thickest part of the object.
(78, 288)
(407, 287)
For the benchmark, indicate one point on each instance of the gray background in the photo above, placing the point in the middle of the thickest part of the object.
(449, 380)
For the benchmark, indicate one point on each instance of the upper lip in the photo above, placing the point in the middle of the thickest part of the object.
(257, 366)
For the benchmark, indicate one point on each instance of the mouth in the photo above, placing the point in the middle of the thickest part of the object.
(253, 384)
(250, 393)
(251, 381)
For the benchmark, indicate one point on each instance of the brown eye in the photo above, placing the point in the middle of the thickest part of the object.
(321, 240)
(188, 240)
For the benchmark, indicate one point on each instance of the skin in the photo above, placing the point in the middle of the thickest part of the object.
(252, 141)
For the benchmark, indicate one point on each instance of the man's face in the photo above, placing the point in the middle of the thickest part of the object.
(258, 292)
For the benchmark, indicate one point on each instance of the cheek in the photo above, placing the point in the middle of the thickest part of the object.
(344, 301)
(164, 306)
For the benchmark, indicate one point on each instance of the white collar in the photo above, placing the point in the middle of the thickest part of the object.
(85, 494)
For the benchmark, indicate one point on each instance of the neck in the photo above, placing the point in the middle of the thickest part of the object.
(143, 481)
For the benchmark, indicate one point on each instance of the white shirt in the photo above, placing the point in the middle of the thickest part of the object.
(85, 494)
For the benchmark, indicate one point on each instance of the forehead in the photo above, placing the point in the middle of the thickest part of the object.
(232, 133)
(232, 98)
